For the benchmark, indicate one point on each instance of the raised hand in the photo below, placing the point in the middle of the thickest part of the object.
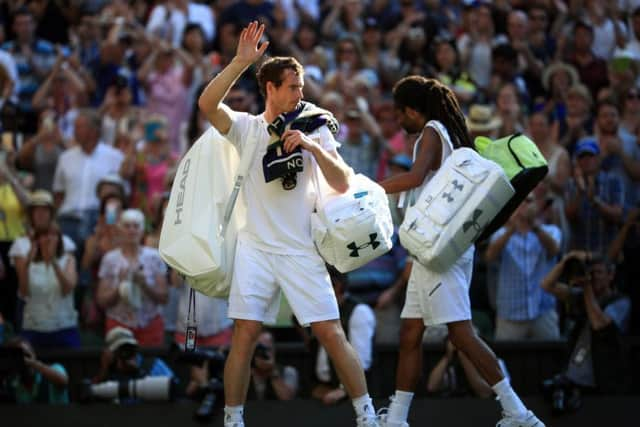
(48, 245)
(249, 50)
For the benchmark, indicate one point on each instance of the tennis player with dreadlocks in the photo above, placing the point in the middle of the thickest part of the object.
(427, 106)
(275, 251)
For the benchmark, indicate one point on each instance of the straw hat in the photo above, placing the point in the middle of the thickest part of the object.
(482, 119)
(559, 66)
(41, 198)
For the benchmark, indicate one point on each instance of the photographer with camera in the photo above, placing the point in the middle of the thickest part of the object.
(29, 380)
(601, 315)
(269, 380)
(128, 376)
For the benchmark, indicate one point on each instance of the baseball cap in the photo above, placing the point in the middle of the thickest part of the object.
(587, 145)
(119, 336)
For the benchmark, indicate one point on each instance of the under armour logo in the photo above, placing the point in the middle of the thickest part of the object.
(355, 249)
(456, 186)
(473, 223)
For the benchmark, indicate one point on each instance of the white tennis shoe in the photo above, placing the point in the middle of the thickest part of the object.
(528, 420)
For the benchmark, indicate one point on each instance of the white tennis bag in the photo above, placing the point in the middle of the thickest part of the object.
(198, 236)
(463, 196)
(353, 228)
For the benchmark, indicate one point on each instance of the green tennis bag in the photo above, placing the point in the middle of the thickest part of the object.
(524, 165)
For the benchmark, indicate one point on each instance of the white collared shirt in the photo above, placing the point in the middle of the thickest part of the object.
(78, 173)
(164, 22)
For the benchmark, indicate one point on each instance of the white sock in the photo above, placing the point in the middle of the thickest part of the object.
(233, 414)
(511, 403)
(399, 408)
(364, 406)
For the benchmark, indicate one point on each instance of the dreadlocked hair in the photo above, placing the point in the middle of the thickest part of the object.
(434, 101)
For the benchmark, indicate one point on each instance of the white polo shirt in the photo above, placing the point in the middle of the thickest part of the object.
(278, 220)
(78, 173)
(162, 21)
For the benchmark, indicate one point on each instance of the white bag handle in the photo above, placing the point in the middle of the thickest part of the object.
(243, 168)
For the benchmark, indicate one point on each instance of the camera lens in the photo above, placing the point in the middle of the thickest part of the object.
(289, 182)
(126, 352)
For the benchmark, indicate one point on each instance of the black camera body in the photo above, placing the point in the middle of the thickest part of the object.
(276, 163)
(575, 268)
(262, 351)
(198, 356)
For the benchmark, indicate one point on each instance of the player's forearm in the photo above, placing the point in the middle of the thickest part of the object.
(211, 98)
(335, 171)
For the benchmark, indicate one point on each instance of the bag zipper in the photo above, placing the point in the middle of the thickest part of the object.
(515, 135)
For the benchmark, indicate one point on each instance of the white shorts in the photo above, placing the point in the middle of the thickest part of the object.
(440, 298)
(258, 278)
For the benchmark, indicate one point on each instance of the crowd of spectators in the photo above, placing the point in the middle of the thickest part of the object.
(98, 104)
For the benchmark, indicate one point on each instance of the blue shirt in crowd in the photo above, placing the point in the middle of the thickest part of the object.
(522, 265)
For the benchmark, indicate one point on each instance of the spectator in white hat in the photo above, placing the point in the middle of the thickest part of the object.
(133, 284)
(121, 359)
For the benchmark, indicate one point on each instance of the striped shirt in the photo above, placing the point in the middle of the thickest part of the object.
(43, 58)
(590, 230)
